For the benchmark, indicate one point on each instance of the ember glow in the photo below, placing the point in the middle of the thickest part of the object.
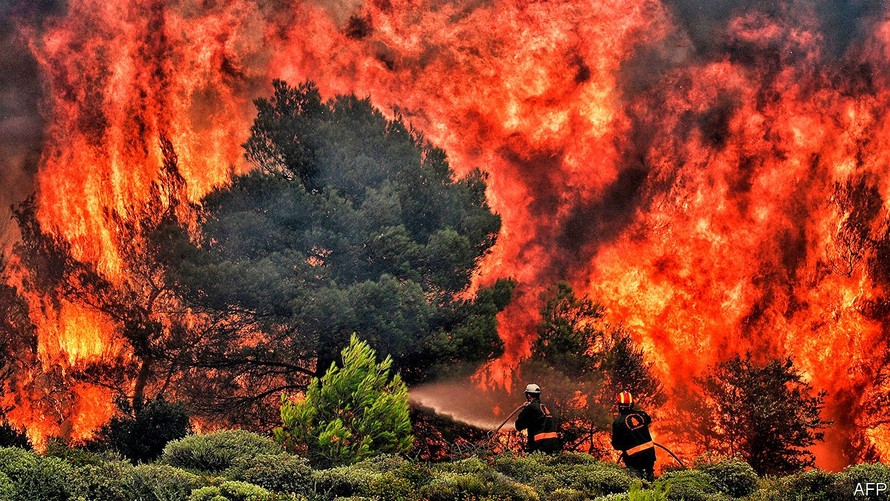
(710, 195)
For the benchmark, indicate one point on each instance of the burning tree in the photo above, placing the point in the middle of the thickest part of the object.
(146, 338)
(353, 224)
(764, 413)
(861, 245)
(582, 363)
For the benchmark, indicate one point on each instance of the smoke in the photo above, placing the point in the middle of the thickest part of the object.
(842, 23)
(21, 126)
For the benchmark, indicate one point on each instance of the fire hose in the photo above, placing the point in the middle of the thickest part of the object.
(671, 453)
(496, 430)
(666, 450)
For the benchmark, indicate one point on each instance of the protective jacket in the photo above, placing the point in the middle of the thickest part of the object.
(537, 419)
(630, 435)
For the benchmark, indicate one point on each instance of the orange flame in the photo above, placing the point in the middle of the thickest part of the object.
(692, 195)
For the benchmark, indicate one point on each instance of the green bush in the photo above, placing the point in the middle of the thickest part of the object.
(243, 491)
(526, 469)
(77, 456)
(215, 452)
(656, 493)
(568, 458)
(352, 413)
(566, 495)
(473, 479)
(469, 465)
(594, 478)
(448, 486)
(358, 481)
(414, 472)
(611, 497)
(35, 477)
(207, 494)
(281, 472)
(7, 488)
(812, 485)
(342, 481)
(567, 471)
(687, 485)
(158, 482)
(105, 481)
(846, 482)
(732, 476)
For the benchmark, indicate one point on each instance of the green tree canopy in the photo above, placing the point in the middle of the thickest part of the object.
(351, 413)
(352, 223)
(764, 413)
(581, 363)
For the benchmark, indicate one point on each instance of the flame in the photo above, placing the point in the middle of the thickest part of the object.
(689, 190)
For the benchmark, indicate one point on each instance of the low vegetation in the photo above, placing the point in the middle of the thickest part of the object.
(242, 466)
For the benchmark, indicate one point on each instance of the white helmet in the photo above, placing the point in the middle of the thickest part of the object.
(532, 389)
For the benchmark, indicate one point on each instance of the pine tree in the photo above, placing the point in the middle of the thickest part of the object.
(351, 413)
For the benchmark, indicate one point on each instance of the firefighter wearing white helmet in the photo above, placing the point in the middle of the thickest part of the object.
(537, 419)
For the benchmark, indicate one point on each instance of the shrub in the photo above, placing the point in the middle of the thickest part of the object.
(566, 495)
(207, 494)
(342, 481)
(687, 485)
(526, 469)
(281, 472)
(351, 413)
(76, 456)
(568, 458)
(215, 452)
(449, 486)
(538, 476)
(243, 491)
(469, 465)
(360, 481)
(7, 488)
(594, 479)
(35, 477)
(845, 483)
(159, 482)
(105, 481)
(141, 434)
(812, 485)
(733, 477)
(656, 493)
(567, 471)
(472, 479)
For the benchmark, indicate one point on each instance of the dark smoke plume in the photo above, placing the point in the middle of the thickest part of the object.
(21, 125)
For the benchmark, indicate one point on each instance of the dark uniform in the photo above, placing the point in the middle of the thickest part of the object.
(536, 418)
(630, 435)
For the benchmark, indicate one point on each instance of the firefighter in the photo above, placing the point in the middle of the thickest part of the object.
(537, 419)
(630, 435)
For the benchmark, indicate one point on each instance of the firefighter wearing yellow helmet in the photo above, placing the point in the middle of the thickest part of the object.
(630, 435)
(537, 419)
